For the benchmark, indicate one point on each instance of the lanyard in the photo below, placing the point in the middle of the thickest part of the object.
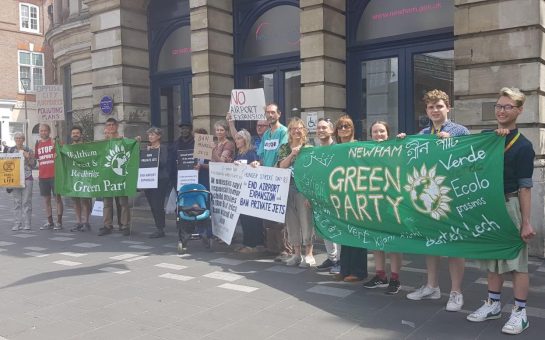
(434, 132)
(508, 146)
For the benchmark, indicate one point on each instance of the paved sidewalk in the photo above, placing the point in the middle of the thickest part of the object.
(62, 285)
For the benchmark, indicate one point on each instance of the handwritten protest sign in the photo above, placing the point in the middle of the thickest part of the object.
(12, 172)
(241, 189)
(148, 172)
(418, 195)
(264, 192)
(225, 186)
(203, 146)
(50, 102)
(186, 173)
(247, 104)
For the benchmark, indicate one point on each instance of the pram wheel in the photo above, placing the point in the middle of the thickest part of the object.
(182, 249)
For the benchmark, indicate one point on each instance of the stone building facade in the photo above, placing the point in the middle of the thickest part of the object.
(26, 57)
(166, 61)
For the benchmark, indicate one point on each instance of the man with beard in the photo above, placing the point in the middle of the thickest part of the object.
(81, 205)
(276, 135)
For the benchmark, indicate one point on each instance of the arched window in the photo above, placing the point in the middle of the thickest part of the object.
(176, 51)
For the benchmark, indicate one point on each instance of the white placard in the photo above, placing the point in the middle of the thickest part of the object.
(264, 192)
(225, 185)
(148, 172)
(241, 189)
(98, 208)
(49, 102)
(247, 104)
(187, 177)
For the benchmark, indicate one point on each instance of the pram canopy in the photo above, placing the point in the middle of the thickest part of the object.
(193, 202)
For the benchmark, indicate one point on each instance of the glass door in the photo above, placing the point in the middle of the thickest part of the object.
(171, 104)
(433, 70)
(379, 93)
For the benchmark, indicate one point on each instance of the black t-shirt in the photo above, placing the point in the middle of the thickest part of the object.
(518, 164)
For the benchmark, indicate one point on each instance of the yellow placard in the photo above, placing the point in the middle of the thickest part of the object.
(12, 170)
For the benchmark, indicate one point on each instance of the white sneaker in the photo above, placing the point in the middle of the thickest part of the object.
(308, 261)
(47, 226)
(15, 228)
(294, 260)
(425, 292)
(517, 322)
(57, 226)
(455, 302)
(488, 311)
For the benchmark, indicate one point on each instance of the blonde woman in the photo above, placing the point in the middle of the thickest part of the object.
(252, 227)
(298, 215)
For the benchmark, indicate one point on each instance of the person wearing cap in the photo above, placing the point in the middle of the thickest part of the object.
(156, 196)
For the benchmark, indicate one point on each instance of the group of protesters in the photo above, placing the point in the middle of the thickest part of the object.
(276, 145)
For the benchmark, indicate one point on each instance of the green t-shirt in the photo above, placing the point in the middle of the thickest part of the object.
(270, 143)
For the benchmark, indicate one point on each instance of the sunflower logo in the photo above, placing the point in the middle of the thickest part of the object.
(117, 160)
(427, 195)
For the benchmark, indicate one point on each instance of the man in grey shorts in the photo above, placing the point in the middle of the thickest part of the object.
(517, 181)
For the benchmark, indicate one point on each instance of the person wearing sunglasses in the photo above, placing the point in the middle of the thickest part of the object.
(353, 260)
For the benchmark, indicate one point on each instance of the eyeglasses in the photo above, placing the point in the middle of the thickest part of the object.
(299, 128)
(507, 107)
(324, 119)
(344, 127)
(263, 125)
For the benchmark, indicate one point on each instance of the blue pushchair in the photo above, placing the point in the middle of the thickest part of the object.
(192, 214)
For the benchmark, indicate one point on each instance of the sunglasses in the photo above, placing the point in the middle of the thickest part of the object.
(344, 127)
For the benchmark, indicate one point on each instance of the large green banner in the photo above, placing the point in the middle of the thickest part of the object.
(419, 195)
(99, 169)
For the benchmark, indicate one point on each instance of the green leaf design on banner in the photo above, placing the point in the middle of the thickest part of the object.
(419, 195)
(107, 168)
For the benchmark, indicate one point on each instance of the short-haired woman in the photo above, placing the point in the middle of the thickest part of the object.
(22, 197)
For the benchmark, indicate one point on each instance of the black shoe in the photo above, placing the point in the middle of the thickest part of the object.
(157, 234)
(77, 227)
(105, 231)
(376, 282)
(393, 287)
(86, 226)
(125, 231)
(326, 265)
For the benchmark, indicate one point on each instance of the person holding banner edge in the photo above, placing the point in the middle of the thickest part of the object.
(156, 197)
(324, 132)
(22, 197)
(299, 223)
(353, 260)
(82, 206)
(517, 181)
(437, 109)
(380, 131)
(123, 210)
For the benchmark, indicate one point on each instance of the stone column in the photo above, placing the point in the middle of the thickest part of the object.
(211, 60)
(499, 44)
(57, 12)
(323, 56)
(120, 62)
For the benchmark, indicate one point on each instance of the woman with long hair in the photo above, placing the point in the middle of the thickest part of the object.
(298, 215)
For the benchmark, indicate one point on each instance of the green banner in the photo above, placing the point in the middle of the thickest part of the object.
(99, 169)
(420, 195)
